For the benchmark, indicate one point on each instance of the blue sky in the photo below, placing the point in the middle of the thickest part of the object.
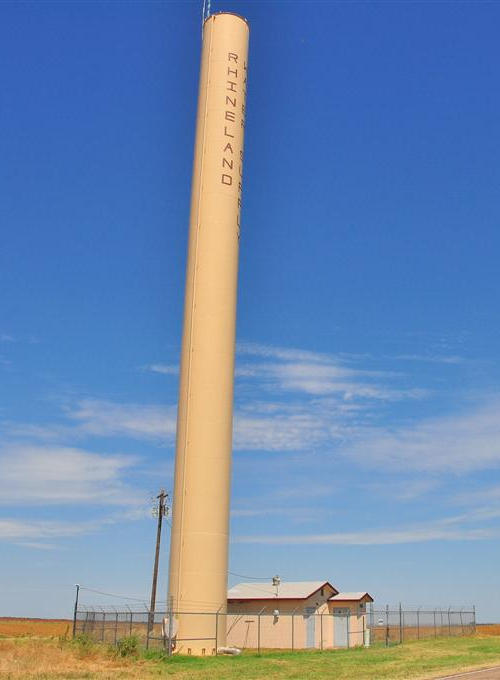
(367, 414)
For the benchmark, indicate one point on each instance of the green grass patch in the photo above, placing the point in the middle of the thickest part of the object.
(416, 659)
(60, 659)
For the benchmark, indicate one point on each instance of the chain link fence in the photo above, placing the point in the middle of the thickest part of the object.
(263, 630)
(397, 624)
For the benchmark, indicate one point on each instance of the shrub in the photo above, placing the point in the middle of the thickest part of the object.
(128, 646)
(84, 643)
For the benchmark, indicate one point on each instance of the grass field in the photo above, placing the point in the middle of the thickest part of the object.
(29, 658)
(13, 627)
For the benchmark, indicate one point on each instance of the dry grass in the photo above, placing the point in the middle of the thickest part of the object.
(25, 658)
(33, 658)
(488, 628)
(14, 627)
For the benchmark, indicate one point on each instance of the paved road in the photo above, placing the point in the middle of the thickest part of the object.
(486, 674)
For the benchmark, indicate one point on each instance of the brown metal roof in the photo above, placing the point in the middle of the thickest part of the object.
(353, 597)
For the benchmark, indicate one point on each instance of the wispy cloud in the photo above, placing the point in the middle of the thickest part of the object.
(13, 529)
(313, 373)
(38, 546)
(286, 432)
(100, 417)
(5, 337)
(402, 488)
(446, 529)
(35, 533)
(282, 353)
(456, 443)
(52, 474)
(295, 400)
(434, 359)
(97, 417)
(388, 537)
(164, 369)
(486, 494)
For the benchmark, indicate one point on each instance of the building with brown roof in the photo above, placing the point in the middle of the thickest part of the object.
(294, 615)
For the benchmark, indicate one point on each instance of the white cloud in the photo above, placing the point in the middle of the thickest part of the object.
(282, 353)
(376, 537)
(444, 529)
(402, 489)
(486, 494)
(432, 358)
(257, 425)
(302, 371)
(11, 529)
(100, 417)
(38, 546)
(322, 402)
(292, 514)
(456, 443)
(34, 532)
(278, 433)
(164, 369)
(53, 474)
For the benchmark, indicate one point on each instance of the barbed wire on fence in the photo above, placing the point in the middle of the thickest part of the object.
(284, 630)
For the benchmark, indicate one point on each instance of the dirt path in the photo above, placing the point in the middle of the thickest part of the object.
(485, 674)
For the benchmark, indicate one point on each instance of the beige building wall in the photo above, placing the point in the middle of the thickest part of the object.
(200, 528)
(357, 618)
(280, 632)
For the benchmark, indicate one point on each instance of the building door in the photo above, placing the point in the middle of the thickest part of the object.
(309, 617)
(341, 627)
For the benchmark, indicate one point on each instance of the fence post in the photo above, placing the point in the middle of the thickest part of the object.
(217, 629)
(386, 627)
(293, 629)
(418, 623)
(321, 629)
(348, 628)
(103, 625)
(258, 633)
(77, 585)
(449, 622)
(474, 619)
(461, 622)
(130, 622)
(435, 629)
(400, 624)
(116, 625)
(170, 624)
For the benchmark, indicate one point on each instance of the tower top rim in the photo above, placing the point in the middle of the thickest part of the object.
(234, 14)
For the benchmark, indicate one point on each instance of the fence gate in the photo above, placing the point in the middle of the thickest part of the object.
(310, 618)
(341, 627)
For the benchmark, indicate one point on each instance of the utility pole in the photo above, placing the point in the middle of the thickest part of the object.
(160, 512)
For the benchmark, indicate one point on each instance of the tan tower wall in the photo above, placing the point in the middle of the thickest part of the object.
(200, 530)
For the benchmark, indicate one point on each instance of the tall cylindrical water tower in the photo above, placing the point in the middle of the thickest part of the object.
(200, 528)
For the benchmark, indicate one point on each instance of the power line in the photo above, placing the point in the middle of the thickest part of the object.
(252, 578)
(254, 587)
(121, 597)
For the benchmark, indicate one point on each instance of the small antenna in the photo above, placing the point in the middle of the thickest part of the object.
(205, 13)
